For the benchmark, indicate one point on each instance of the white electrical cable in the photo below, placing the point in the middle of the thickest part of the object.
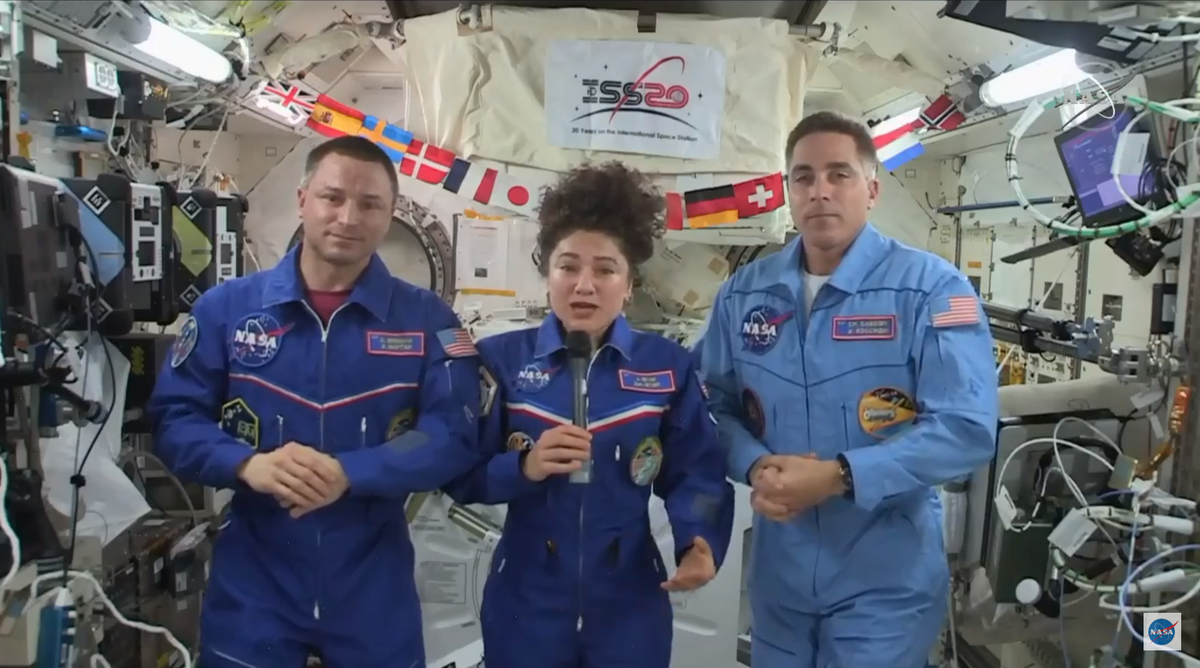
(1058, 454)
(112, 609)
(15, 545)
(1119, 153)
(1124, 594)
(1055, 442)
(1185, 199)
(10, 534)
(1155, 38)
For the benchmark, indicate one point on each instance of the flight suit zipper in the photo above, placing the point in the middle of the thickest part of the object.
(583, 493)
(321, 440)
(804, 333)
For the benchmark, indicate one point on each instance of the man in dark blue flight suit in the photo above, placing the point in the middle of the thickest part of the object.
(577, 579)
(293, 387)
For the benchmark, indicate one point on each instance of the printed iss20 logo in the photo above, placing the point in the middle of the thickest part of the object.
(651, 93)
(1161, 632)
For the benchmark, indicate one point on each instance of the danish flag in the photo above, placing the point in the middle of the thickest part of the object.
(426, 163)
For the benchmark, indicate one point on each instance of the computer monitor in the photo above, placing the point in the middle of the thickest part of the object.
(1087, 152)
(40, 232)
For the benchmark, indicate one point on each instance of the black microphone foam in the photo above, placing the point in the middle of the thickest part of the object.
(579, 344)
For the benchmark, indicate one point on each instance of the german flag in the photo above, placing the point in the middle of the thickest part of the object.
(711, 206)
(334, 119)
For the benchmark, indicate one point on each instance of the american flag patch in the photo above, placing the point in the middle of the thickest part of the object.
(956, 311)
(457, 342)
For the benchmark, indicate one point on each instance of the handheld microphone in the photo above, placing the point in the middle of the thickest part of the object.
(579, 355)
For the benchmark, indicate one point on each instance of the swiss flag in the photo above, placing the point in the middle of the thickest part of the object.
(758, 196)
(426, 163)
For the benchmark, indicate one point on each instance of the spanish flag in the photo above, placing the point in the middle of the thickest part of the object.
(393, 140)
(334, 119)
(711, 206)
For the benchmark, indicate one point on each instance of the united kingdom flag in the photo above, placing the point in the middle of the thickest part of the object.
(291, 100)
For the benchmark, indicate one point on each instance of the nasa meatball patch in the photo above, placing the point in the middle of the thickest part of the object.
(534, 377)
(256, 339)
(760, 328)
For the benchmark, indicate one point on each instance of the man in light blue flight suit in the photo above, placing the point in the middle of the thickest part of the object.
(850, 376)
(294, 386)
(577, 579)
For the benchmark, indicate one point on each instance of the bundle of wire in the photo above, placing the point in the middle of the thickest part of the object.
(1124, 521)
(1182, 197)
(62, 596)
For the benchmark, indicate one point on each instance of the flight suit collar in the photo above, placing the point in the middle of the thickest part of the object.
(550, 337)
(860, 258)
(372, 291)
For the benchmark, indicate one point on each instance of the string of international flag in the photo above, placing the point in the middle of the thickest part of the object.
(695, 209)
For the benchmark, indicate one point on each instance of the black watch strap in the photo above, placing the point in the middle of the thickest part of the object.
(521, 457)
(847, 476)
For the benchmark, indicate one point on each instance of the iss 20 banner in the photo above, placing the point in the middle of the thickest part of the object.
(635, 97)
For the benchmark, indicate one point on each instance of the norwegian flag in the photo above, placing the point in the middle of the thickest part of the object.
(426, 163)
(457, 342)
(942, 114)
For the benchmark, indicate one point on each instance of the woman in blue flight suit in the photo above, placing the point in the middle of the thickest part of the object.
(577, 579)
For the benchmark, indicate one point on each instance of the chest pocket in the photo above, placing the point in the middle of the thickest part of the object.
(626, 412)
(376, 398)
(856, 343)
(870, 374)
(765, 341)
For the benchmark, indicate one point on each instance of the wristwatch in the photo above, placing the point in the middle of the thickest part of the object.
(847, 476)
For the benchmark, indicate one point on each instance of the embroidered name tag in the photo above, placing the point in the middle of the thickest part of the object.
(654, 381)
(398, 344)
(864, 327)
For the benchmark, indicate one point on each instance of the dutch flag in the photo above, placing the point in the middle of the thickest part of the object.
(896, 141)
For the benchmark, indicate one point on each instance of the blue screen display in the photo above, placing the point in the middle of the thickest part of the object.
(1089, 159)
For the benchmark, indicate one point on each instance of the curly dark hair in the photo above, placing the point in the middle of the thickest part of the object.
(610, 199)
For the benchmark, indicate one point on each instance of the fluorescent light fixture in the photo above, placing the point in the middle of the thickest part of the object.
(184, 52)
(1050, 74)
